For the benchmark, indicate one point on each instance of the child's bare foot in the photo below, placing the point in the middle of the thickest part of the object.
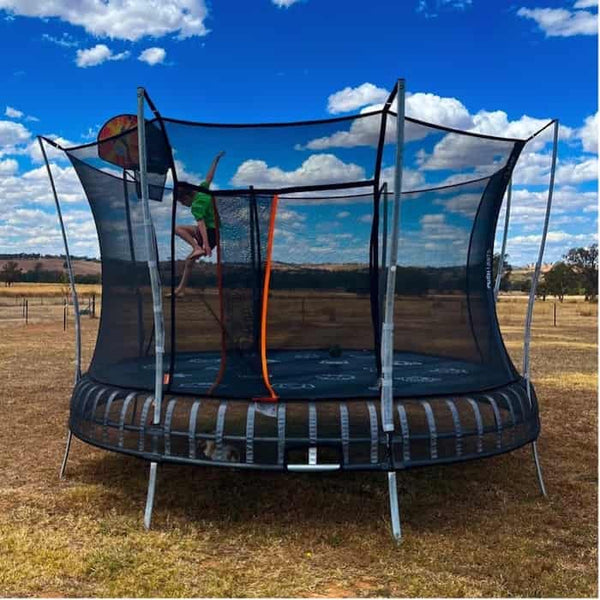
(176, 294)
(196, 253)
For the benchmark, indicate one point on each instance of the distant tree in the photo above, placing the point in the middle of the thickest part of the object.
(506, 271)
(560, 280)
(37, 272)
(10, 273)
(541, 291)
(584, 263)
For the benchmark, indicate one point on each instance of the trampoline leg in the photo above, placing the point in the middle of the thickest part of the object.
(150, 496)
(394, 506)
(63, 466)
(538, 469)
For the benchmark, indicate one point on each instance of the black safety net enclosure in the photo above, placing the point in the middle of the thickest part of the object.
(270, 348)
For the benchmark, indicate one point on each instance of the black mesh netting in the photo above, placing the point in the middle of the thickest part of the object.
(289, 304)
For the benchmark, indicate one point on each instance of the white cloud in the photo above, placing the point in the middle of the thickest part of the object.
(589, 133)
(35, 154)
(411, 179)
(432, 8)
(352, 98)
(560, 22)
(153, 56)
(65, 40)
(120, 19)
(13, 113)
(284, 3)
(92, 57)
(533, 168)
(8, 167)
(11, 135)
(315, 170)
(449, 112)
(585, 4)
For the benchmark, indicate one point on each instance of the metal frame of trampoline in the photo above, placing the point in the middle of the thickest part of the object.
(510, 408)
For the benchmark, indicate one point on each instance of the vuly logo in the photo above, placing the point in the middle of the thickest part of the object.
(488, 269)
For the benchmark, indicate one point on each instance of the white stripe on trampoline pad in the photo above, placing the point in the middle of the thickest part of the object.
(280, 433)
(122, 416)
(219, 431)
(511, 408)
(432, 429)
(497, 418)
(143, 418)
(168, 421)
(80, 390)
(95, 404)
(479, 422)
(519, 400)
(312, 423)
(106, 413)
(250, 417)
(83, 394)
(192, 428)
(345, 429)
(86, 400)
(374, 429)
(312, 433)
(457, 426)
(405, 433)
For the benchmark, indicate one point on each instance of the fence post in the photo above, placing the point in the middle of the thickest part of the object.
(65, 316)
(26, 312)
(555, 313)
(93, 306)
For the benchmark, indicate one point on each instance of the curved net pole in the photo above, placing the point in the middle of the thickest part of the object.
(504, 237)
(155, 285)
(529, 317)
(74, 297)
(387, 345)
(538, 267)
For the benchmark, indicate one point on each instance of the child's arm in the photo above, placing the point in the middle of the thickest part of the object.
(213, 168)
(204, 237)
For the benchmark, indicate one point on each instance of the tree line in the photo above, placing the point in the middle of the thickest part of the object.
(576, 273)
(11, 273)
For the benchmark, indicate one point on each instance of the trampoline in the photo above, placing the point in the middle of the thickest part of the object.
(346, 319)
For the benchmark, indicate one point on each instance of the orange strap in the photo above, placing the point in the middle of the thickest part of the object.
(265, 302)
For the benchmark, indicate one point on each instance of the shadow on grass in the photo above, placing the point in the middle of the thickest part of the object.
(474, 495)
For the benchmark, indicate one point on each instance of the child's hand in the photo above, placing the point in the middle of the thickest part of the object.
(207, 251)
(221, 154)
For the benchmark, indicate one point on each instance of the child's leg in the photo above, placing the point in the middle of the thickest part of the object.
(187, 270)
(187, 233)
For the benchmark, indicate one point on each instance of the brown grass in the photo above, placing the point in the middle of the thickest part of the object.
(47, 290)
(479, 529)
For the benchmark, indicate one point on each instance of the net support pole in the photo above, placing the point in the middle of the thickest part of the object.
(387, 341)
(538, 268)
(531, 303)
(538, 469)
(504, 238)
(394, 506)
(387, 336)
(74, 299)
(156, 294)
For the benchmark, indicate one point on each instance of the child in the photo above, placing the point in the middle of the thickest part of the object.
(203, 236)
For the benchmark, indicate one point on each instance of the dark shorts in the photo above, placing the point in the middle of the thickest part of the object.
(212, 236)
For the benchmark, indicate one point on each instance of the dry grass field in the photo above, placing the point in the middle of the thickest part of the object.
(477, 529)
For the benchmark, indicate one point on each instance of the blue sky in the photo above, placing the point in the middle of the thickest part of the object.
(486, 65)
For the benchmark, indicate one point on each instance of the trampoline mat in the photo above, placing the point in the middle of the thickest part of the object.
(305, 374)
